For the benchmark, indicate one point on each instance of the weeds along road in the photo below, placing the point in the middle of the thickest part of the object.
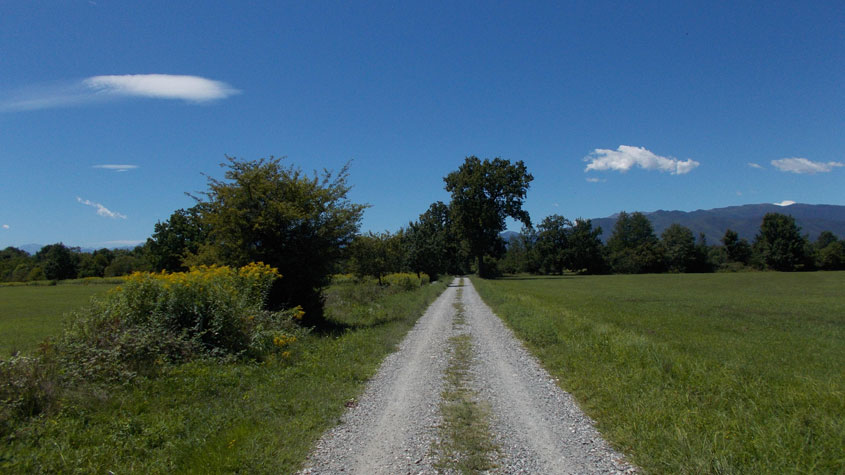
(502, 413)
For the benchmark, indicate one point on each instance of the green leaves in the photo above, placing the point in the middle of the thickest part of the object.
(265, 211)
(484, 193)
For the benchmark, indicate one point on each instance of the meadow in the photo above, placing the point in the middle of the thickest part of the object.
(30, 313)
(212, 416)
(707, 373)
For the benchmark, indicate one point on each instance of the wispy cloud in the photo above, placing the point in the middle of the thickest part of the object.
(102, 210)
(626, 157)
(596, 180)
(6, 226)
(784, 203)
(117, 168)
(804, 166)
(163, 86)
(754, 165)
(193, 89)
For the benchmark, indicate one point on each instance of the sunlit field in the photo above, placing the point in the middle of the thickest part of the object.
(28, 314)
(716, 373)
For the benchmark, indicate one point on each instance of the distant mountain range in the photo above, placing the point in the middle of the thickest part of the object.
(31, 249)
(745, 220)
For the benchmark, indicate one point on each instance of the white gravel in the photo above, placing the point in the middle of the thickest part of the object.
(391, 430)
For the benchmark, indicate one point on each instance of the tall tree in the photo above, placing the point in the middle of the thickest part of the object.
(553, 243)
(484, 193)
(265, 211)
(633, 247)
(94, 264)
(58, 261)
(585, 248)
(779, 244)
(13, 261)
(433, 247)
(679, 248)
(174, 239)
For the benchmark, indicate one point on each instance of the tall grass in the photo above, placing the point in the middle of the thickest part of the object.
(719, 373)
(212, 416)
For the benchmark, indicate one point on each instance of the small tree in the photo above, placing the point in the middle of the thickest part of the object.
(830, 252)
(633, 248)
(377, 255)
(586, 248)
(58, 261)
(94, 264)
(553, 243)
(679, 248)
(173, 240)
(738, 250)
(432, 245)
(779, 244)
(484, 193)
(264, 211)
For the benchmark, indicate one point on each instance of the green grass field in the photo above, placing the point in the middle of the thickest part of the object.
(28, 314)
(214, 417)
(713, 373)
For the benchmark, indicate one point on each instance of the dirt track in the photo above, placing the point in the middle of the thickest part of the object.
(393, 428)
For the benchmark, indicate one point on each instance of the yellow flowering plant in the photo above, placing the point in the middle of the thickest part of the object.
(158, 317)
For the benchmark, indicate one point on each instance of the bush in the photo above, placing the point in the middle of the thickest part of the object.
(149, 321)
(405, 281)
(155, 318)
(27, 388)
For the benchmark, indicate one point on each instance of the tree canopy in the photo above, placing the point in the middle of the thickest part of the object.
(633, 247)
(265, 211)
(484, 193)
(779, 243)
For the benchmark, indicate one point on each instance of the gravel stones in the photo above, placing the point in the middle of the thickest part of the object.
(393, 427)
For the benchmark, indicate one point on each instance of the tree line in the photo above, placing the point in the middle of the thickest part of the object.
(306, 226)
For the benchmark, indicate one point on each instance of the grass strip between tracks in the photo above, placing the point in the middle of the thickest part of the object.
(466, 441)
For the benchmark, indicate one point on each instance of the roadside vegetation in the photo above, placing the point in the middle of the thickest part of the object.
(719, 373)
(218, 413)
(203, 359)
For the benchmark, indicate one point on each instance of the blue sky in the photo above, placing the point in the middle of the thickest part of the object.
(111, 110)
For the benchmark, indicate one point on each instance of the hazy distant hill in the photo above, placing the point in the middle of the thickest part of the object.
(745, 220)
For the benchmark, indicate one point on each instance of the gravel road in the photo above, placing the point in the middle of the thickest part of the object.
(391, 430)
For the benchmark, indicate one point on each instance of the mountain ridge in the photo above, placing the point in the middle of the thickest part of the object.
(744, 219)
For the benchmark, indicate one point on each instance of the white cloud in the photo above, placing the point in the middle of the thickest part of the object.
(163, 86)
(784, 203)
(595, 180)
(6, 226)
(804, 166)
(117, 168)
(754, 165)
(94, 89)
(102, 210)
(626, 157)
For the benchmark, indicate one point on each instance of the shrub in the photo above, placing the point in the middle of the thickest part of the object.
(405, 281)
(154, 318)
(27, 388)
(344, 279)
(151, 320)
